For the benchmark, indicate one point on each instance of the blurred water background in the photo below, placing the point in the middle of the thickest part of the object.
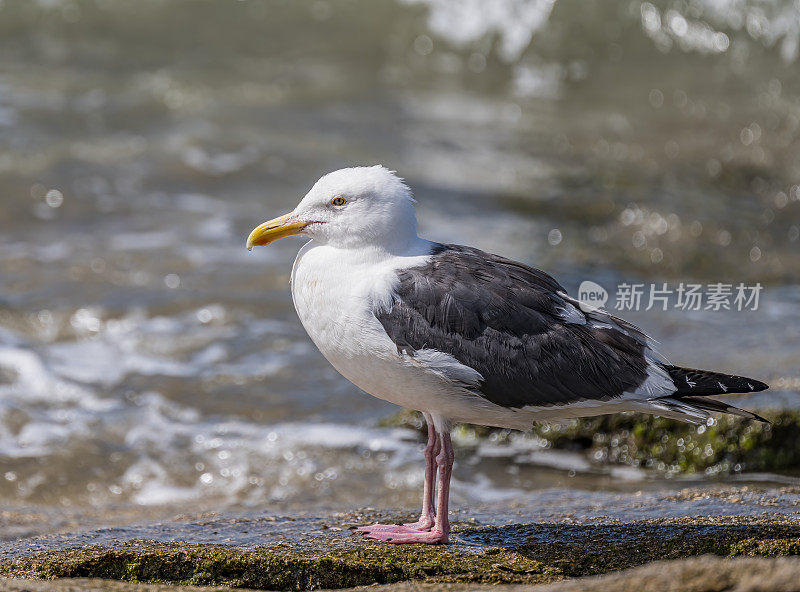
(148, 361)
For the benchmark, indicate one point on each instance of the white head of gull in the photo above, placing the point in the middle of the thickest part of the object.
(353, 209)
(462, 335)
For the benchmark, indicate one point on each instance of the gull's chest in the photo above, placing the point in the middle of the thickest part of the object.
(335, 300)
(335, 295)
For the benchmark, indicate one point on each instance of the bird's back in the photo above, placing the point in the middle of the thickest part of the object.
(537, 350)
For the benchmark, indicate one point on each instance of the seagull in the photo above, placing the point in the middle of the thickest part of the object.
(462, 335)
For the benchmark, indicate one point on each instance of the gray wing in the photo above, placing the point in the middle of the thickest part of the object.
(515, 325)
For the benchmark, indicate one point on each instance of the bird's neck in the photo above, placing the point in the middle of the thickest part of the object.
(411, 246)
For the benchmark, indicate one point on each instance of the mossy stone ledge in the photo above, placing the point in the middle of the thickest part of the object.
(298, 553)
(724, 445)
(281, 568)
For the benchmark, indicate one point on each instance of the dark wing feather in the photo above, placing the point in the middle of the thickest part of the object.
(506, 320)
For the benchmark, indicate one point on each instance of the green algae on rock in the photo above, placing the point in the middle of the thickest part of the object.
(699, 574)
(580, 550)
(726, 444)
(281, 567)
(530, 553)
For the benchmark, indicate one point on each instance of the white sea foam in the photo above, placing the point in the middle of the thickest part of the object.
(703, 27)
(168, 452)
(465, 21)
(165, 346)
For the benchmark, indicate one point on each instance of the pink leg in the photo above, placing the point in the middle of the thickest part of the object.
(428, 516)
(440, 532)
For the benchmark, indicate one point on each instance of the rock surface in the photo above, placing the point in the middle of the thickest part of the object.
(97, 585)
(557, 535)
(698, 574)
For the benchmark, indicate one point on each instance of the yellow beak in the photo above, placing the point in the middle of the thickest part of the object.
(273, 230)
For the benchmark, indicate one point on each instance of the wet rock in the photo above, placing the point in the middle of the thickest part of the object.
(700, 574)
(727, 444)
(97, 585)
(282, 567)
(544, 540)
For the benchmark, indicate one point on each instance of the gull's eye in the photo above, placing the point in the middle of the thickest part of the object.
(338, 201)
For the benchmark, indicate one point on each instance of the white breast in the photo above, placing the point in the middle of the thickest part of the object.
(334, 293)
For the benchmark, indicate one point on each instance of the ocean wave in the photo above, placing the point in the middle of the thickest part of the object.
(704, 27)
